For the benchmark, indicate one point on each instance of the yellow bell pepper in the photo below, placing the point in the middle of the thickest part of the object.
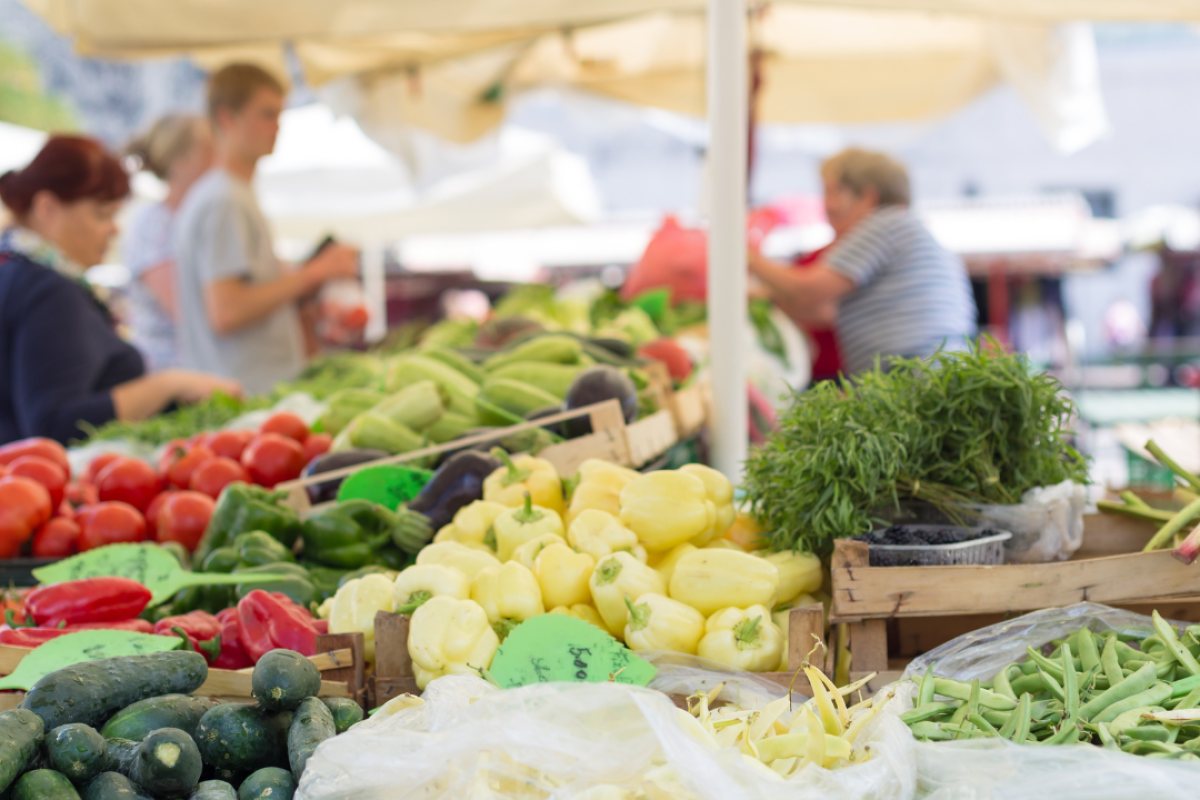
(720, 491)
(355, 605)
(524, 474)
(422, 582)
(450, 637)
(657, 622)
(599, 488)
(745, 532)
(516, 526)
(799, 573)
(324, 609)
(467, 560)
(666, 509)
(583, 611)
(744, 638)
(527, 554)
(599, 534)
(472, 525)
(666, 564)
(563, 575)
(708, 580)
(617, 576)
(509, 594)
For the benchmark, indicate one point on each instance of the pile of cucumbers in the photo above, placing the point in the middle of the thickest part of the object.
(129, 729)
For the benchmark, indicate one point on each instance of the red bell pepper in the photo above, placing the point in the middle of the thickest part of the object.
(136, 625)
(200, 628)
(233, 655)
(272, 621)
(88, 600)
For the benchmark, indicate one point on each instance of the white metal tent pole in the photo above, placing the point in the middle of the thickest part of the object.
(728, 87)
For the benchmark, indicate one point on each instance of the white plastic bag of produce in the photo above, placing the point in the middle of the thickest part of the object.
(588, 741)
(1047, 525)
(992, 769)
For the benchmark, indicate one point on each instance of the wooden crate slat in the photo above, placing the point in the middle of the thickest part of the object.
(227, 683)
(651, 437)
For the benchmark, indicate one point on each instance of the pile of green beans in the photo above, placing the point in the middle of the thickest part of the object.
(1091, 689)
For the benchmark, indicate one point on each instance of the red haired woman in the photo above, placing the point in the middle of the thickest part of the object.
(61, 360)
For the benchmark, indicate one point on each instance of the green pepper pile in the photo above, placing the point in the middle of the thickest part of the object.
(1092, 688)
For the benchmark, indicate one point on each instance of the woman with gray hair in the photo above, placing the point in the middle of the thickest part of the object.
(885, 284)
(177, 150)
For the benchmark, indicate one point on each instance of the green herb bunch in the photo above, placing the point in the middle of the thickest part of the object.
(972, 426)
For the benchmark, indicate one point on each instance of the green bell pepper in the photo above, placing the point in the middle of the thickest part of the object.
(298, 587)
(350, 535)
(242, 508)
(257, 548)
(326, 580)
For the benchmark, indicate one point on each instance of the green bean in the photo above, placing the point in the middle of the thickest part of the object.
(1149, 748)
(1139, 681)
(1027, 668)
(943, 732)
(1167, 632)
(983, 725)
(1112, 667)
(1031, 684)
(1070, 682)
(1126, 653)
(1001, 685)
(925, 696)
(1184, 686)
(1044, 663)
(958, 690)
(1052, 686)
(1148, 733)
(1089, 654)
(1129, 719)
(1067, 734)
(1106, 737)
(926, 712)
(1021, 731)
(1191, 700)
(1151, 697)
(1010, 725)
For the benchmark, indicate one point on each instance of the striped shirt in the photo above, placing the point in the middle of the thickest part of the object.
(911, 296)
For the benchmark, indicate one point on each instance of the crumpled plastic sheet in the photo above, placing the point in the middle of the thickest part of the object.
(1047, 525)
(984, 769)
(590, 741)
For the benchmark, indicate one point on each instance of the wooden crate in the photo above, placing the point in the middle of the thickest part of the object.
(611, 440)
(806, 628)
(918, 608)
(339, 657)
(692, 407)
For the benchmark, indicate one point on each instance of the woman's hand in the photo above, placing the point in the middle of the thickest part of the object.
(192, 387)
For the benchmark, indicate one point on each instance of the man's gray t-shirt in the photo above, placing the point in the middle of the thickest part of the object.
(220, 234)
(911, 295)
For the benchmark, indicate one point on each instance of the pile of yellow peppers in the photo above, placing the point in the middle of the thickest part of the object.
(643, 557)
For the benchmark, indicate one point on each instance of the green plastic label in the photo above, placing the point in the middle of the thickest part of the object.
(74, 648)
(556, 647)
(388, 485)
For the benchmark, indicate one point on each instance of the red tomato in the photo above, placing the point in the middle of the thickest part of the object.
(285, 423)
(81, 494)
(152, 512)
(676, 359)
(272, 458)
(24, 505)
(129, 480)
(230, 444)
(110, 522)
(46, 472)
(97, 466)
(65, 509)
(58, 538)
(215, 474)
(317, 444)
(179, 472)
(183, 518)
(37, 446)
(172, 452)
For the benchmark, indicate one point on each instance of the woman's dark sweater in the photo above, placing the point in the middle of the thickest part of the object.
(59, 354)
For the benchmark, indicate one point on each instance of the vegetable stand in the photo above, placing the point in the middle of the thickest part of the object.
(923, 607)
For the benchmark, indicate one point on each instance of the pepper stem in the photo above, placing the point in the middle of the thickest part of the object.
(515, 474)
(527, 514)
(639, 615)
(747, 634)
(607, 572)
(504, 627)
(415, 601)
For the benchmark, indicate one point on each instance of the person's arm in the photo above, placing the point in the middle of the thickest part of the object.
(160, 281)
(144, 397)
(809, 296)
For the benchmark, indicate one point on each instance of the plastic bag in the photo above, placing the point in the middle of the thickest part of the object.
(1046, 526)
(589, 741)
(989, 769)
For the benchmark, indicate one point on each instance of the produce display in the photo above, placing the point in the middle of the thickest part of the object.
(1170, 534)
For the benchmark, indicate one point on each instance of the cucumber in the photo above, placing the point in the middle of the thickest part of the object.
(345, 712)
(91, 691)
(214, 790)
(456, 361)
(77, 751)
(167, 763)
(269, 783)
(555, 379)
(312, 725)
(21, 734)
(119, 755)
(237, 736)
(282, 678)
(513, 396)
(136, 721)
(113, 786)
(44, 784)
